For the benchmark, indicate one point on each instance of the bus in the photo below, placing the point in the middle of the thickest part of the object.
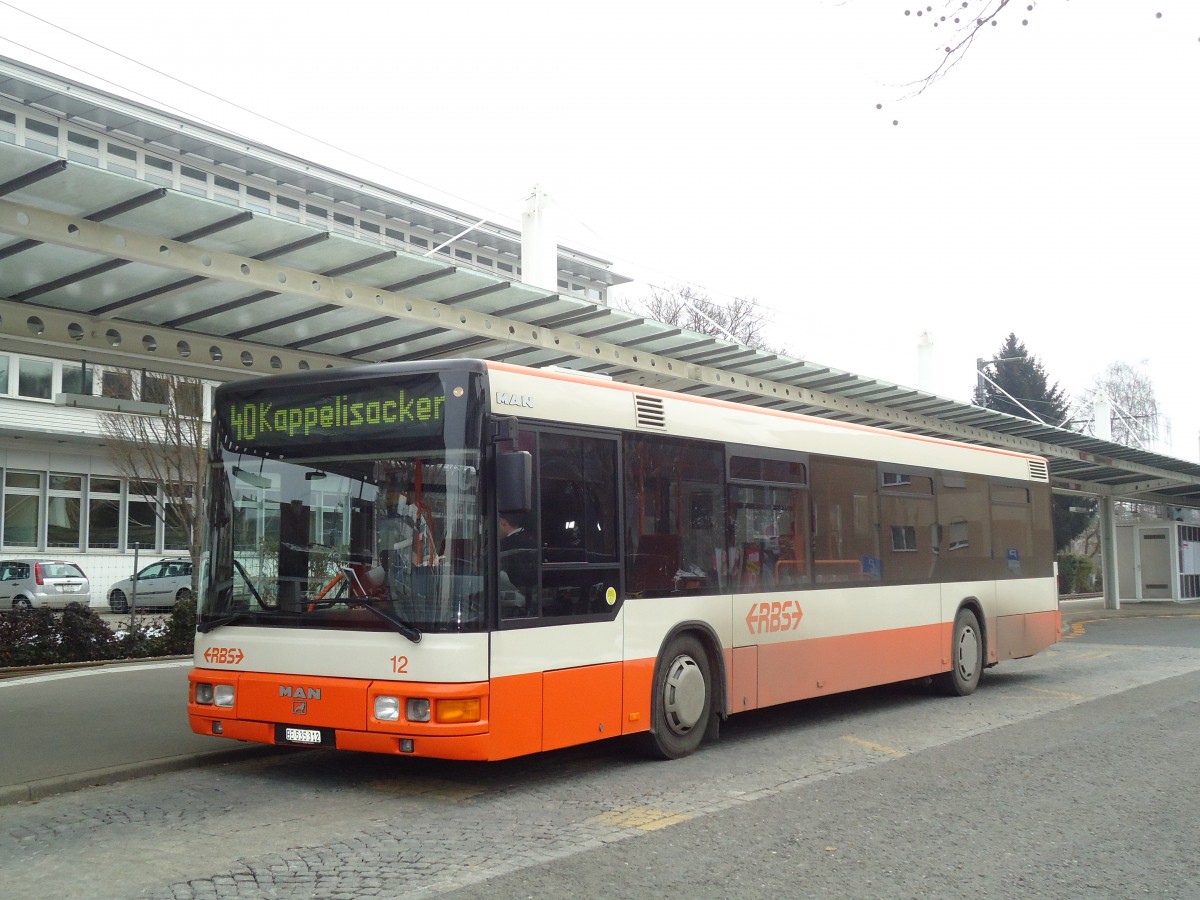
(473, 560)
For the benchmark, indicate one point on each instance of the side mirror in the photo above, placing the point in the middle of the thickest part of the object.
(514, 481)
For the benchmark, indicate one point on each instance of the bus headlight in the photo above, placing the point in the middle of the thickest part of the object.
(204, 693)
(223, 695)
(458, 710)
(387, 709)
(417, 709)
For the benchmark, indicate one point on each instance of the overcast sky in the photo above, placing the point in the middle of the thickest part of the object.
(1048, 186)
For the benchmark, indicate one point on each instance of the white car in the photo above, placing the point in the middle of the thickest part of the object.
(161, 584)
(26, 583)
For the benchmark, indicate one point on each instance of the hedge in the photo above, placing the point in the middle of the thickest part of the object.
(43, 637)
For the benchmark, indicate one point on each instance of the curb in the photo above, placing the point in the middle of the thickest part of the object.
(62, 784)
(1129, 609)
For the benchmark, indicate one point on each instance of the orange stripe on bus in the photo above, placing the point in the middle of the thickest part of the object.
(581, 705)
(302, 700)
(801, 669)
(744, 692)
(516, 715)
(639, 682)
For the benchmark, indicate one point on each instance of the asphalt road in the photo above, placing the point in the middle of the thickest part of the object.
(81, 727)
(1071, 774)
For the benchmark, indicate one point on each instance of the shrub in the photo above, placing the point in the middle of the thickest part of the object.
(180, 633)
(1075, 574)
(28, 638)
(84, 636)
(41, 637)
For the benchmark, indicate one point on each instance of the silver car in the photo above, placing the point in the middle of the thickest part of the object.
(163, 583)
(26, 583)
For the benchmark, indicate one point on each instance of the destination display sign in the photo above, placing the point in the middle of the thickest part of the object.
(351, 413)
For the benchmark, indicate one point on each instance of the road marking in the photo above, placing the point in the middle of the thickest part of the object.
(871, 745)
(95, 670)
(643, 818)
(1095, 654)
(1077, 628)
(1061, 695)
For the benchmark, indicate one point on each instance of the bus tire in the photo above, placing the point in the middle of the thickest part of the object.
(682, 699)
(966, 657)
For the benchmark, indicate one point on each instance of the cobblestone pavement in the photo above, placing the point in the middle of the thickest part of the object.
(328, 825)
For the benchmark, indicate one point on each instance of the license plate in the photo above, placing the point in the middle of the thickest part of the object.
(302, 735)
(72, 588)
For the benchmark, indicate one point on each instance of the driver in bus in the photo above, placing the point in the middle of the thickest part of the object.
(518, 562)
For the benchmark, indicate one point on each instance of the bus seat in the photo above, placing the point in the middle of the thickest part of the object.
(653, 567)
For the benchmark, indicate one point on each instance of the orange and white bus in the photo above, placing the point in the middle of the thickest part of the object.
(474, 560)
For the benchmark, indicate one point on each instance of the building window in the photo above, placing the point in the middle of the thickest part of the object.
(143, 521)
(258, 199)
(78, 379)
(904, 539)
(4, 369)
(160, 171)
(189, 398)
(22, 503)
(155, 389)
(64, 508)
(175, 534)
(193, 181)
(117, 384)
(104, 513)
(35, 378)
(41, 136)
(287, 208)
(121, 159)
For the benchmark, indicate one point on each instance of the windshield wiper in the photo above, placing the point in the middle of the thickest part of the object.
(409, 631)
(250, 584)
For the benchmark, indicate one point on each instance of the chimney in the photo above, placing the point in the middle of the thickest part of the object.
(925, 362)
(539, 242)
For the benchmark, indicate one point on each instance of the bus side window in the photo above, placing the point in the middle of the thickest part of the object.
(674, 516)
(577, 488)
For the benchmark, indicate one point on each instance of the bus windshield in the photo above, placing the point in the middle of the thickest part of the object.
(323, 514)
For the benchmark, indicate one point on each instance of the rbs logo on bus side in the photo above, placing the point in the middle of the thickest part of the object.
(775, 616)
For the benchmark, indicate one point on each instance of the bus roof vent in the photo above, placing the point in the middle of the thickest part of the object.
(1039, 470)
(650, 412)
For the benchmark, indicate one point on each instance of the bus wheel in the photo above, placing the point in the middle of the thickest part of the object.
(683, 695)
(966, 657)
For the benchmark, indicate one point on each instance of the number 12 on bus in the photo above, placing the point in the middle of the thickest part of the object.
(399, 564)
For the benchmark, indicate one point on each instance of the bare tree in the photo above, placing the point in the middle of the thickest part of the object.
(163, 455)
(959, 23)
(742, 320)
(1132, 406)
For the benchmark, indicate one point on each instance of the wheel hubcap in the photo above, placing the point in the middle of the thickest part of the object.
(683, 695)
(968, 653)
